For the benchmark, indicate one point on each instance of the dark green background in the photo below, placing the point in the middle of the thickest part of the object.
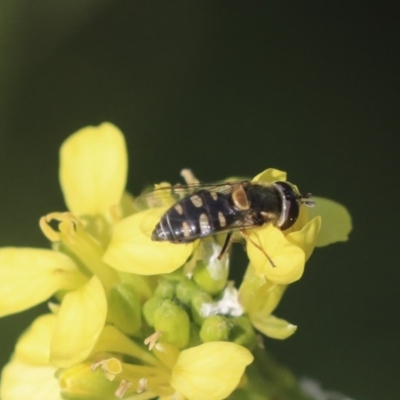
(227, 88)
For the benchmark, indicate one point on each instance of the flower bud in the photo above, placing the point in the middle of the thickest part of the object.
(211, 277)
(242, 332)
(150, 307)
(165, 289)
(196, 306)
(186, 290)
(215, 328)
(173, 322)
(124, 308)
(211, 273)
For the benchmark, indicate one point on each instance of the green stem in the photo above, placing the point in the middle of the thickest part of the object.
(267, 380)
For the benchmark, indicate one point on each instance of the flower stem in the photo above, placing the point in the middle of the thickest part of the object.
(267, 380)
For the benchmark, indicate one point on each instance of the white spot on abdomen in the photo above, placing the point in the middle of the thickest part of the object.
(204, 224)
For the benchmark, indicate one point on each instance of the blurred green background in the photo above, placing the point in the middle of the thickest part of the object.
(226, 88)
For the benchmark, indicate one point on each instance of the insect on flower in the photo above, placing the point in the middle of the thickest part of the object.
(202, 210)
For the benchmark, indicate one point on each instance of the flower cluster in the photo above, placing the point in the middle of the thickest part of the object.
(136, 319)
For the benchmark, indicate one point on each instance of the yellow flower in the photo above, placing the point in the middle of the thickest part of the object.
(29, 373)
(92, 174)
(105, 273)
(211, 370)
(259, 299)
(287, 250)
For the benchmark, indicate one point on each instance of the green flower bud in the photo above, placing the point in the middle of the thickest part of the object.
(165, 289)
(124, 309)
(211, 274)
(243, 332)
(215, 328)
(150, 307)
(211, 278)
(186, 290)
(173, 322)
(198, 300)
(81, 383)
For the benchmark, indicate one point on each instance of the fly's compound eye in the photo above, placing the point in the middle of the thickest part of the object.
(290, 204)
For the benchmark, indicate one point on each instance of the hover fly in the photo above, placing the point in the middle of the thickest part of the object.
(229, 207)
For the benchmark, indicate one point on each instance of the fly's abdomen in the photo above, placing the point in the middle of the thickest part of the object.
(198, 215)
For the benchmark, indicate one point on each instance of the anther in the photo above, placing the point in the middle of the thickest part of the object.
(122, 388)
(111, 367)
(152, 339)
(142, 387)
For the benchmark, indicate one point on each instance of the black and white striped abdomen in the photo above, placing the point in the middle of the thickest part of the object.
(197, 215)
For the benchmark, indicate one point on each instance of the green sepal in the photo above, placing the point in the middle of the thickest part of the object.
(124, 308)
(81, 383)
(150, 307)
(243, 332)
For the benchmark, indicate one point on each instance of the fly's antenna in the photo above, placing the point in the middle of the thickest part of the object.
(304, 200)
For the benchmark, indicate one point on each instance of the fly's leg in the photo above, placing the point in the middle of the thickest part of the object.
(226, 246)
(246, 235)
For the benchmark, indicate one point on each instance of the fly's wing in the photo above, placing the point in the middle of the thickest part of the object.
(201, 225)
(206, 212)
(165, 195)
(243, 220)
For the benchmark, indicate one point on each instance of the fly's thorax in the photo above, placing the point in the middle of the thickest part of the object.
(264, 199)
(277, 203)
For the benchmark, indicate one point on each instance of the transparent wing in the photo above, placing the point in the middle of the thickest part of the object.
(167, 196)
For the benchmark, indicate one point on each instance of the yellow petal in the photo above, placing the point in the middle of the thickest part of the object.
(20, 380)
(33, 346)
(307, 237)
(249, 288)
(31, 276)
(210, 371)
(266, 299)
(270, 175)
(336, 221)
(273, 327)
(132, 250)
(93, 169)
(80, 322)
(288, 258)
